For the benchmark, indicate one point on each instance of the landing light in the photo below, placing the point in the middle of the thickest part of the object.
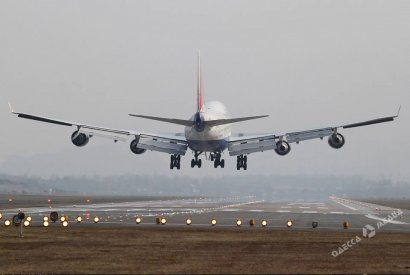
(7, 223)
(238, 222)
(138, 220)
(26, 223)
(65, 223)
(213, 222)
(45, 223)
(96, 219)
(188, 221)
(264, 223)
(289, 223)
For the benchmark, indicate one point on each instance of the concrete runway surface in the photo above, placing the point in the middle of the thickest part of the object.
(329, 214)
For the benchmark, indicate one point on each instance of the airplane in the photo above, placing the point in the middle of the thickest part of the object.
(207, 132)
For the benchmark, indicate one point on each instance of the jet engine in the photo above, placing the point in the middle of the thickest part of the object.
(79, 139)
(282, 148)
(134, 147)
(336, 141)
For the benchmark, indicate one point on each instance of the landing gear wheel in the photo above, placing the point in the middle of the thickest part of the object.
(196, 161)
(175, 162)
(242, 162)
(217, 160)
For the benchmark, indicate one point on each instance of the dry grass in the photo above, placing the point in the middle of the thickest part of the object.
(193, 250)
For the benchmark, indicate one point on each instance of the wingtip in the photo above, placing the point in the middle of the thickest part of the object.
(11, 107)
(398, 111)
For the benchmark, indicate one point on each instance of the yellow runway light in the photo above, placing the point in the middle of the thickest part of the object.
(346, 225)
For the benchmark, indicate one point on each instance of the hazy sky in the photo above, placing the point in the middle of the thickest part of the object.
(305, 63)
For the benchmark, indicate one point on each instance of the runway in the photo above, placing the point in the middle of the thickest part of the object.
(330, 214)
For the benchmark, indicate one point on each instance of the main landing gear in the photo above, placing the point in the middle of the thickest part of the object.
(196, 161)
(242, 162)
(216, 158)
(175, 162)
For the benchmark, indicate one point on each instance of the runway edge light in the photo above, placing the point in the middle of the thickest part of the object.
(7, 223)
(238, 222)
(289, 223)
(188, 221)
(213, 222)
(264, 223)
(346, 225)
(138, 220)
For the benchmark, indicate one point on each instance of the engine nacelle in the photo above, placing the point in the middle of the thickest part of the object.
(134, 147)
(282, 148)
(336, 141)
(79, 139)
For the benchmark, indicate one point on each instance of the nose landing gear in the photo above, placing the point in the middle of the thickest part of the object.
(242, 162)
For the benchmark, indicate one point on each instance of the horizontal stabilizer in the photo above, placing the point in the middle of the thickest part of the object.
(217, 122)
(168, 120)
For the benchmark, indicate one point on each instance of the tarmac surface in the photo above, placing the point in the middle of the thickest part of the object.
(330, 214)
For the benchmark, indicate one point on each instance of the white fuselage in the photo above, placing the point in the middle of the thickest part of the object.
(211, 139)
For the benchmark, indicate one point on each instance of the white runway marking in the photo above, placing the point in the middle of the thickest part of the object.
(311, 212)
(374, 217)
(336, 212)
(283, 211)
(304, 207)
(286, 207)
(255, 210)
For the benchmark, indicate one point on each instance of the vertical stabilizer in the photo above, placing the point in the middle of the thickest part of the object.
(200, 99)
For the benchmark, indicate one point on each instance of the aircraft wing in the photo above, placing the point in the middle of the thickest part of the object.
(167, 143)
(259, 143)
